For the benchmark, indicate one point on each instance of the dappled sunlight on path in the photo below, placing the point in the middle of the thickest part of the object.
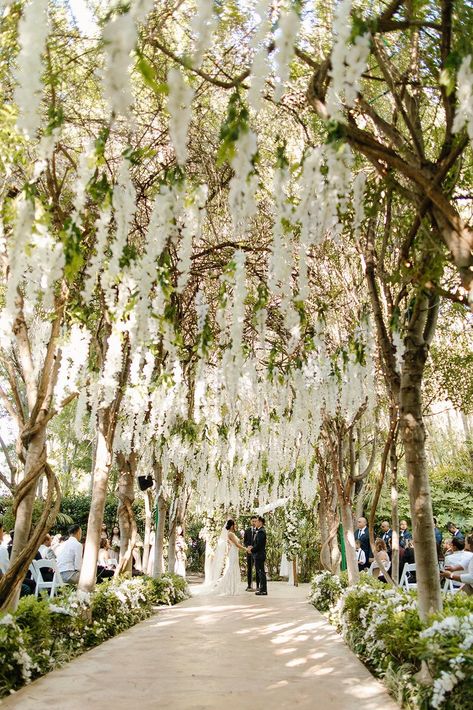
(244, 651)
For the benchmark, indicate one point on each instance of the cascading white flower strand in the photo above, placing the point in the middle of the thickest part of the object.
(179, 107)
(193, 217)
(244, 183)
(348, 62)
(260, 66)
(464, 112)
(285, 40)
(203, 25)
(33, 31)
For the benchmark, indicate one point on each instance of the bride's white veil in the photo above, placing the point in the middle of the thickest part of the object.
(217, 564)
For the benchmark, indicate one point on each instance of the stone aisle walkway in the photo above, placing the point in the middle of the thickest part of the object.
(235, 653)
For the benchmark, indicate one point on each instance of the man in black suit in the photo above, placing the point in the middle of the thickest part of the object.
(248, 540)
(362, 534)
(455, 531)
(387, 536)
(258, 550)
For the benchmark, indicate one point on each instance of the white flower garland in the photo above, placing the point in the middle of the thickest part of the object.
(119, 37)
(464, 112)
(33, 31)
(284, 40)
(179, 107)
(348, 63)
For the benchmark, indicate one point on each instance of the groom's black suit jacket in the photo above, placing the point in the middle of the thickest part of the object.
(249, 536)
(259, 545)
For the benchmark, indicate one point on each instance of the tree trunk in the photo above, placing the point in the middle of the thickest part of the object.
(158, 567)
(172, 546)
(103, 462)
(148, 499)
(417, 341)
(349, 536)
(329, 522)
(24, 513)
(126, 517)
(159, 538)
(394, 514)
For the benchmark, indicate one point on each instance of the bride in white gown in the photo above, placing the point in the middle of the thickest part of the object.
(225, 577)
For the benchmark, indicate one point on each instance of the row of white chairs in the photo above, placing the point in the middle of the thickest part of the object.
(404, 583)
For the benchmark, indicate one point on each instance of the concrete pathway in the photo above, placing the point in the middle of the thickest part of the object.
(240, 653)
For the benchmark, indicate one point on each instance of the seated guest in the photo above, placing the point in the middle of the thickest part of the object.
(104, 552)
(454, 531)
(387, 536)
(404, 534)
(104, 569)
(455, 553)
(382, 554)
(408, 558)
(360, 556)
(69, 559)
(362, 534)
(459, 573)
(45, 550)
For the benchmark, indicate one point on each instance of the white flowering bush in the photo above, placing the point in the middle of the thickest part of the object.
(326, 589)
(43, 634)
(382, 626)
(447, 646)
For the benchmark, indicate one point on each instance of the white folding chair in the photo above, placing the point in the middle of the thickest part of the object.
(452, 586)
(404, 581)
(56, 581)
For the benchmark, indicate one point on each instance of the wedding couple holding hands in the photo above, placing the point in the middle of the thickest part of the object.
(226, 562)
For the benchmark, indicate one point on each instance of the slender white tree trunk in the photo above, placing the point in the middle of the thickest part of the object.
(103, 462)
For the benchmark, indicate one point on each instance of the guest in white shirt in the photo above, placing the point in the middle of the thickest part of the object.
(360, 555)
(459, 556)
(69, 559)
(4, 558)
(459, 572)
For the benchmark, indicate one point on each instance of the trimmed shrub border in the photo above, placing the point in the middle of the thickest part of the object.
(43, 634)
(382, 626)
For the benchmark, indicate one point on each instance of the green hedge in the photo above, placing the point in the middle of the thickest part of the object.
(43, 634)
(382, 626)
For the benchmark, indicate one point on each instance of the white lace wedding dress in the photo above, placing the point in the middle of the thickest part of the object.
(229, 582)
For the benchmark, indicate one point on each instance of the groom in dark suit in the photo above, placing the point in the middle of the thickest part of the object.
(248, 540)
(258, 550)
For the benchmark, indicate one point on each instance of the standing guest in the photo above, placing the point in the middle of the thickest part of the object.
(387, 536)
(115, 542)
(455, 531)
(360, 556)
(438, 536)
(461, 573)
(69, 559)
(362, 534)
(404, 534)
(248, 540)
